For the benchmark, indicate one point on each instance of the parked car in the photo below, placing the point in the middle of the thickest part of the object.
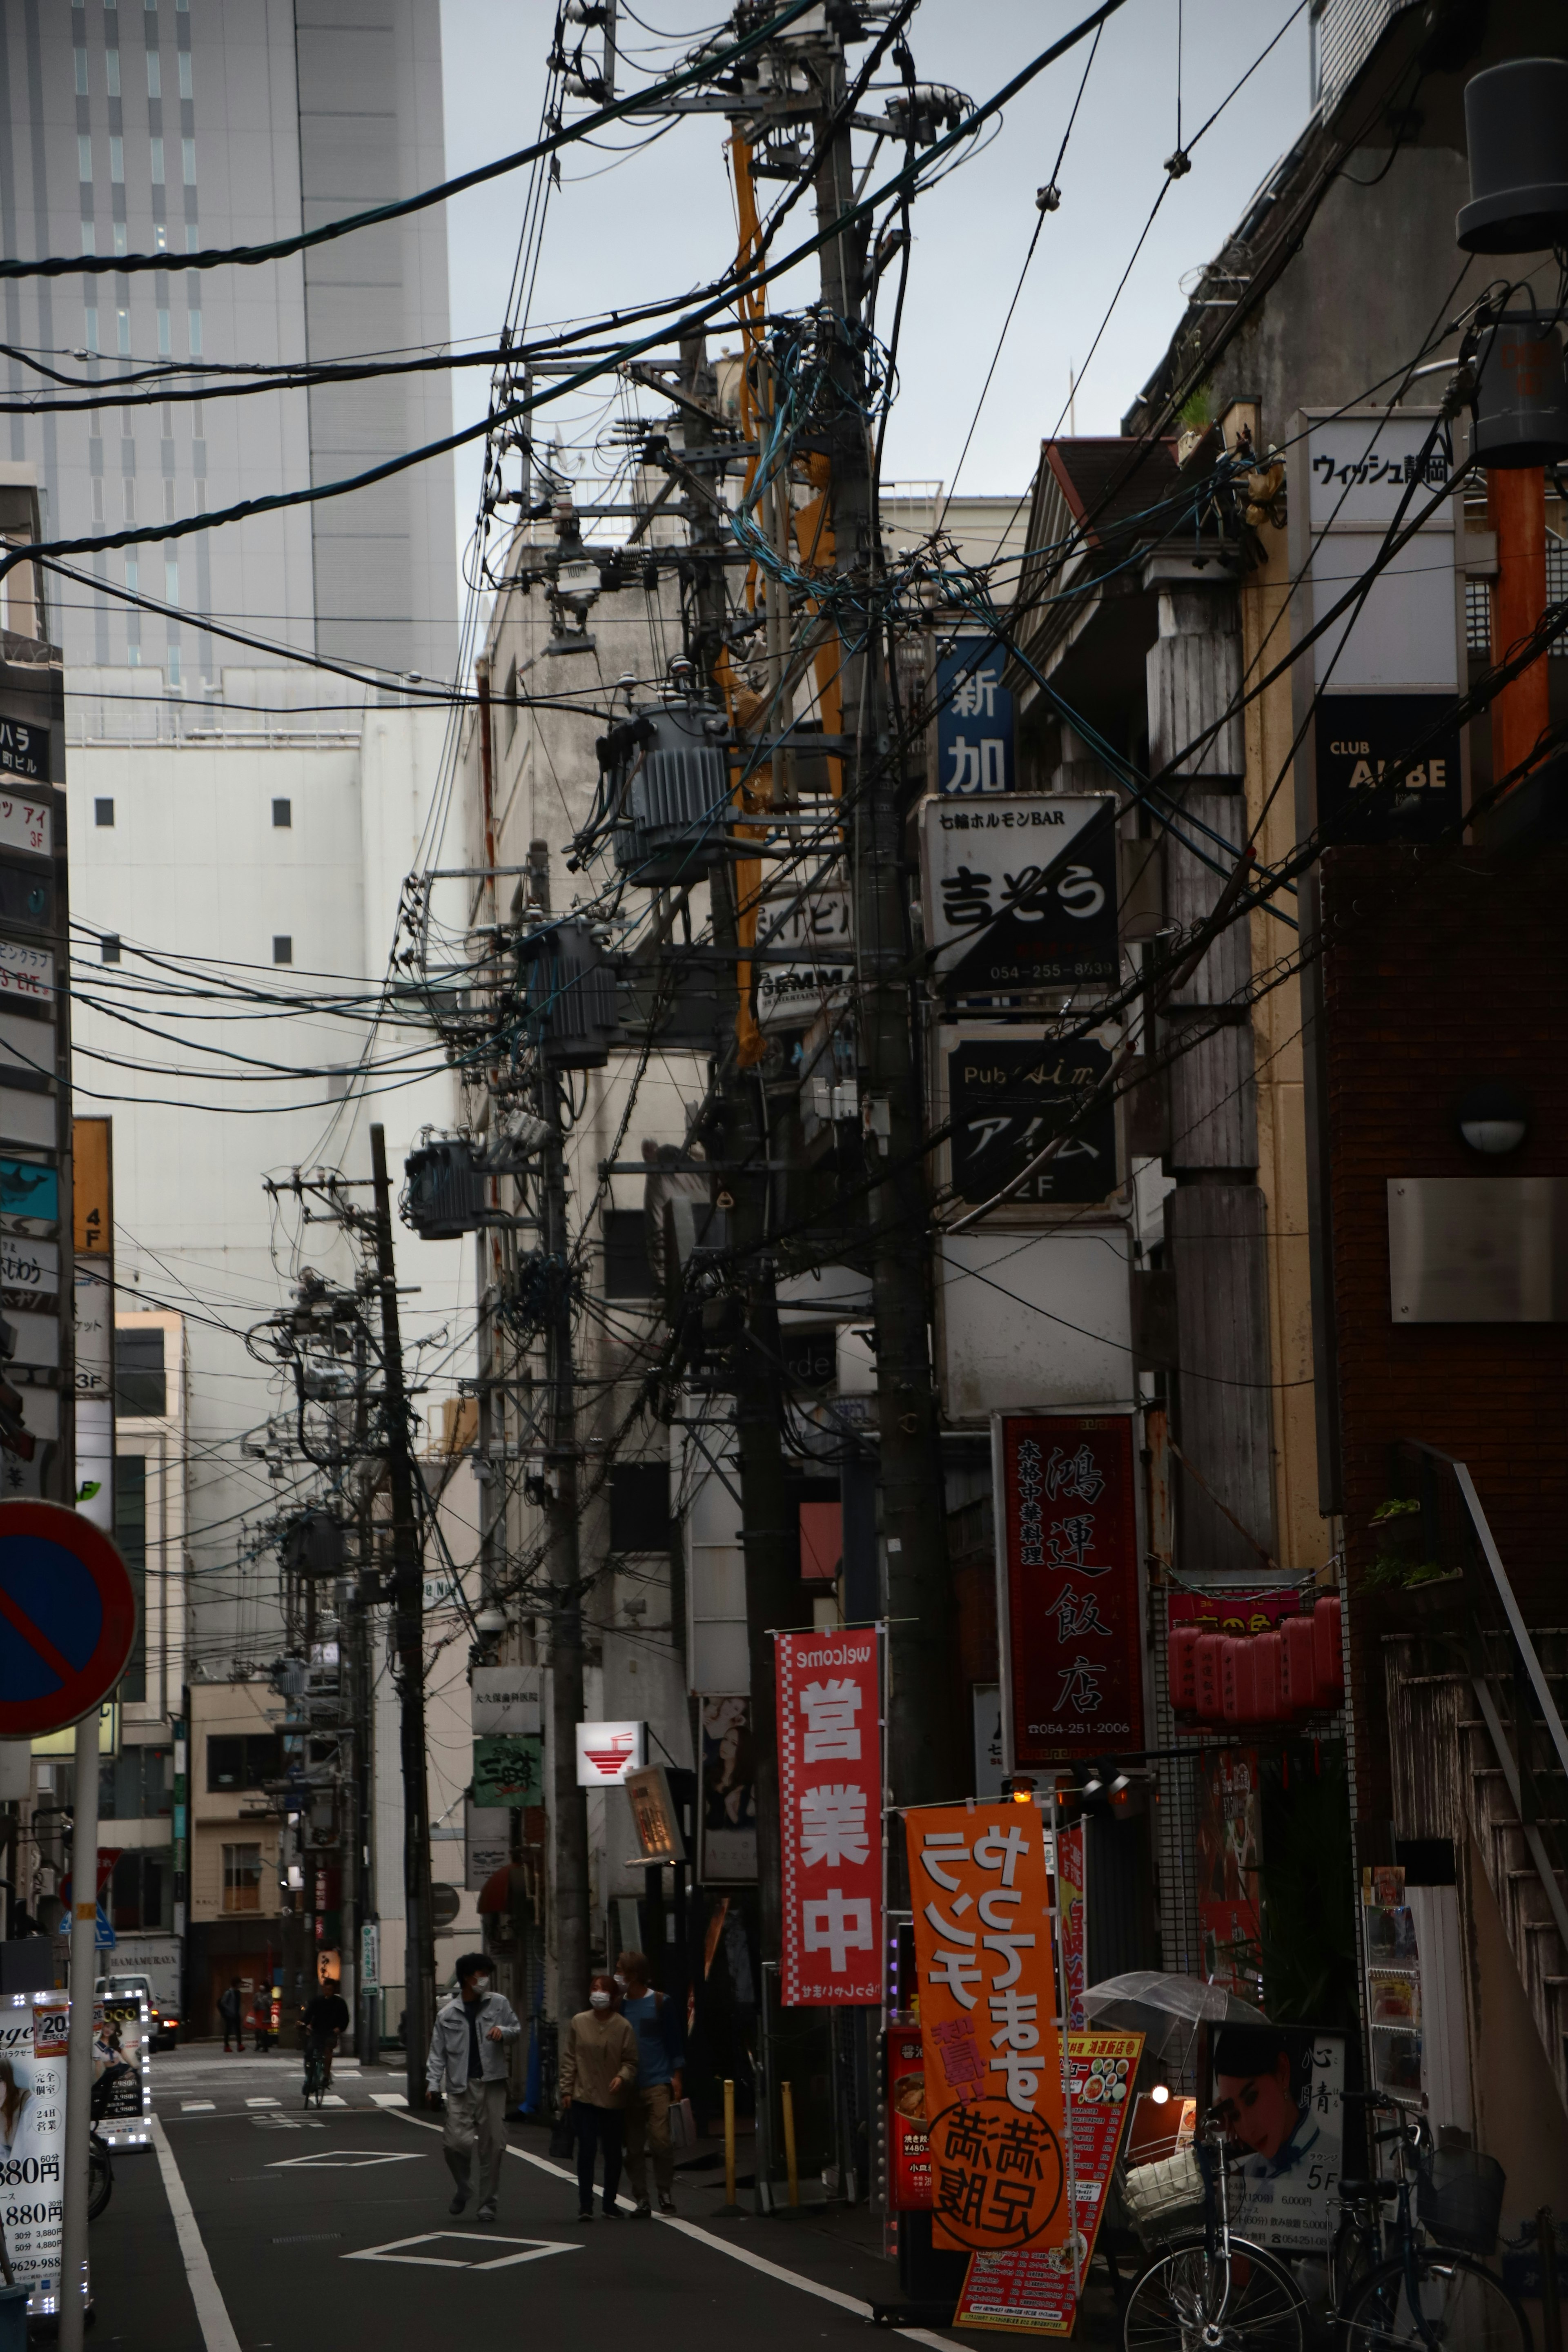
(162, 2023)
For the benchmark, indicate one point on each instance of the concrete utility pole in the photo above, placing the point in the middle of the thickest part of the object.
(916, 1587)
(408, 1625)
(772, 1587)
(570, 1813)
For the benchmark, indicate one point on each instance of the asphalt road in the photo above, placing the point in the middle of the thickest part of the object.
(253, 2221)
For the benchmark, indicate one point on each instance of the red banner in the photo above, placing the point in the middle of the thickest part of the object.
(1069, 1513)
(908, 2142)
(830, 1817)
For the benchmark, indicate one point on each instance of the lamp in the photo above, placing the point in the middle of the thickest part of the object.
(1160, 2093)
(1493, 1117)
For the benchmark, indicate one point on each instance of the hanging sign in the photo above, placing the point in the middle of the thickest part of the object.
(830, 1817)
(817, 932)
(507, 1699)
(1070, 1877)
(1009, 1092)
(980, 1898)
(1020, 891)
(1032, 2292)
(509, 1769)
(607, 1752)
(974, 717)
(1068, 1563)
(68, 1618)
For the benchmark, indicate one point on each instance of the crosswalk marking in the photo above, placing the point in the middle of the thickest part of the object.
(331, 2099)
(389, 2098)
(197, 2106)
(264, 2103)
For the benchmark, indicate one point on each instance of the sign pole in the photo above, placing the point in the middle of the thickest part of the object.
(79, 2060)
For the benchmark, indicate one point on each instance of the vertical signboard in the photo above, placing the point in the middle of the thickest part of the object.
(121, 2069)
(909, 2148)
(1066, 1552)
(92, 1215)
(729, 1799)
(33, 2029)
(1279, 2090)
(974, 717)
(1020, 892)
(830, 1816)
(1229, 1858)
(981, 1897)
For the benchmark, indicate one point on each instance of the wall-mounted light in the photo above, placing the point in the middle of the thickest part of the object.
(1493, 1117)
(1160, 2093)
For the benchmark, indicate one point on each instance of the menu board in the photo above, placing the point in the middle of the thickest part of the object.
(1033, 2292)
(909, 2142)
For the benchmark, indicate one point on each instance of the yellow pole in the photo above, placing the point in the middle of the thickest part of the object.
(729, 2204)
(786, 2095)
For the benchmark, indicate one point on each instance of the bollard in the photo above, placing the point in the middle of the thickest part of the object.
(730, 2205)
(787, 2099)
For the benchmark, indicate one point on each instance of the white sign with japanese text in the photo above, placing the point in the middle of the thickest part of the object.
(1020, 890)
(816, 930)
(507, 1699)
(27, 824)
(830, 1817)
(26, 971)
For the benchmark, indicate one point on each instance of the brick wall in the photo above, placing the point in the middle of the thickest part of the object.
(1443, 969)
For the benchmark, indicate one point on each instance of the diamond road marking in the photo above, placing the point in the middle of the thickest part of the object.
(198, 2106)
(387, 2099)
(264, 2103)
(344, 2159)
(530, 2250)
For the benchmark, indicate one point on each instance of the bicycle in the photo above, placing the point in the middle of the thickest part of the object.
(1210, 2290)
(316, 2075)
(1422, 2297)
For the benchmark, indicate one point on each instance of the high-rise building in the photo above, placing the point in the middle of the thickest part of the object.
(147, 126)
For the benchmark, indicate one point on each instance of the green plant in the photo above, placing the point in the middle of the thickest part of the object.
(1195, 411)
(1395, 1570)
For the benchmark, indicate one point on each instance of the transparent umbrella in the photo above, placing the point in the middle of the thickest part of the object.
(1167, 2010)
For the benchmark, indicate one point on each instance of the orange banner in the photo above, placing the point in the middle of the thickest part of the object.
(981, 1896)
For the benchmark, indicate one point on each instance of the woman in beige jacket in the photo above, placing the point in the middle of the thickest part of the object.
(598, 2067)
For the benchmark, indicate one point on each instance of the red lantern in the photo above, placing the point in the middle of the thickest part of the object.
(1328, 1656)
(1271, 1669)
(1299, 1683)
(1238, 1679)
(1210, 1703)
(1182, 1668)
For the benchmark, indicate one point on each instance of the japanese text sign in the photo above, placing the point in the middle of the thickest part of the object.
(973, 719)
(1020, 890)
(1067, 1509)
(830, 1817)
(1031, 2290)
(981, 1897)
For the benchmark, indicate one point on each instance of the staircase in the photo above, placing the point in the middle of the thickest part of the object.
(1478, 1746)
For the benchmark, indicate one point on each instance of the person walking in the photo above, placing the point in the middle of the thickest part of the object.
(661, 2055)
(466, 2077)
(231, 2008)
(598, 2067)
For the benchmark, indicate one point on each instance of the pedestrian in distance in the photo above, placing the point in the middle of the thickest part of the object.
(661, 2055)
(466, 2077)
(598, 2068)
(231, 2008)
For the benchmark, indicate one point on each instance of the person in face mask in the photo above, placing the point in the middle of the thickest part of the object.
(598, 2067)
(465, 2076)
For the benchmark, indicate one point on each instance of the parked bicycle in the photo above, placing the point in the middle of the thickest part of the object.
(1409, 2282)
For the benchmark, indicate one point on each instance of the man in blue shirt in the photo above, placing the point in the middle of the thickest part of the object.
(661, 2054)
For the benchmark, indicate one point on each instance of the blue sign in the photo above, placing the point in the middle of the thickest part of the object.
(102, 1933)
(27, 1189)
(974, 719)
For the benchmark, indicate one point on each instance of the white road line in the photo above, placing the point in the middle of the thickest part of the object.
(264, 2103)
(198, 2106)
(389, 2098)
(331, 2099)
(723, 2246)
(212, 2311)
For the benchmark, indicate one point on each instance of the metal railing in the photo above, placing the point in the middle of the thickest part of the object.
(1512, 1688)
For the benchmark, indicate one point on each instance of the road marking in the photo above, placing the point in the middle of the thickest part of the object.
(389, 2098)
(198, 2106)
(212, 2311)
(724, 2246)
(533, 2250)
(331, 2099)
(344, 2159)
(264, 2103)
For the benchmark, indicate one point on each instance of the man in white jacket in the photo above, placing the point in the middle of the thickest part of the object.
(465, 2076)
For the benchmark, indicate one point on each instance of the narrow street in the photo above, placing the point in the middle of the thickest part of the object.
(339, 2223)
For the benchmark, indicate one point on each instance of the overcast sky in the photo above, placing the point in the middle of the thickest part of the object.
(660, 220)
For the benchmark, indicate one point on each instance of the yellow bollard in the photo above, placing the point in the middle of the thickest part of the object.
(787, 2099)
(729, 2204)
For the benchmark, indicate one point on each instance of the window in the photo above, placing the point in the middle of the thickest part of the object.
(140, 1385)
(98, 497)
(173, 666)
(103, 812)
(89, 238)
(140, 1890)
(188, 153)
(89, 327)
(137, 1786)
(242, 1761)
(130, 1534)
(130, 499)
(282, 948)
(108, 948)
(155, 151)
(171, 578)
(120, 236)
(117, 159)
(83, 156)
(185, 88)
(627, 1273)
(154, 77)
(283, 813)
(122, 332)
(639, 1507)
(111, 71)
(165, 346)
(242, 1878)
(81, 84)
(196, 323)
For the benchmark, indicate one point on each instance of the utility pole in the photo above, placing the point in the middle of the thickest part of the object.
(917, 1590)
(409, 1636)
(569, 1811)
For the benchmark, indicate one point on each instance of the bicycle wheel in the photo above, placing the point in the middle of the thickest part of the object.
(1356, 2254)
(99, 2183)
(1190, 2301)
(1459, 2306)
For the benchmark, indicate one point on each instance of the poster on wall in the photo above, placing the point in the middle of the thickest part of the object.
(1072, 1650)
(981, 1896)
(122, 2070)
(830, 1816)
(1279, 2090)
(729, 1794)
(908, 2142)
(1229, 1858)
(1033, 2292)
(34, 2030)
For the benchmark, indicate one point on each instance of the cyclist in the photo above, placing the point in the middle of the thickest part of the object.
(326, 2017)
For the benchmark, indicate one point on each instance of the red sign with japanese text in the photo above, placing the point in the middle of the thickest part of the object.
(1031, 2290)
(830, 1817)
(909, 2145)
(1070, 1911)
(1261, 1611)
(980, 1898)
(1068, 1512)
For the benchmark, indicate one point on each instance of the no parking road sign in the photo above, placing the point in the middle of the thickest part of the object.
(68, 1618)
